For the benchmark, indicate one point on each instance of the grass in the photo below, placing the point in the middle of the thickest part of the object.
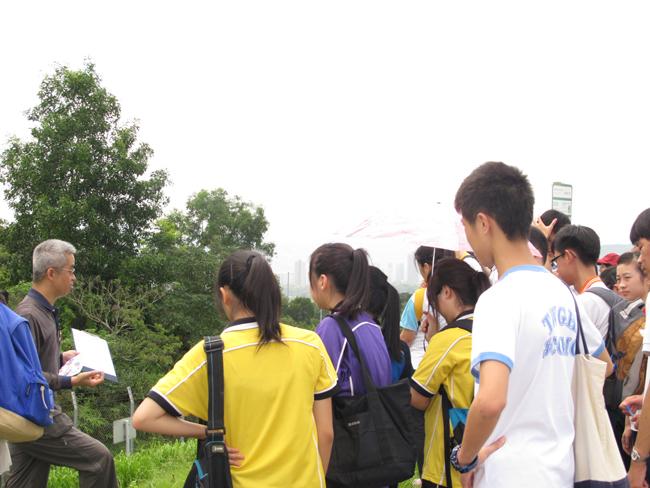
(159, 465)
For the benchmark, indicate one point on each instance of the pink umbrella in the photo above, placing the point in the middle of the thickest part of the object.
(435, 225)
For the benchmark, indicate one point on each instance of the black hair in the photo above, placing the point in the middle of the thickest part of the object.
(538, 239)
(502, 192)
(384, 303)
(467, 283)
(583, 241)
(609, 277)
(5, 294)
(348, 270)
(251, 280)
(425, 255)
(562, 220)
(629, 258)
(641, 227)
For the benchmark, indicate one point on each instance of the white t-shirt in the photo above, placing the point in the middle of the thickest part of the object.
(596, 308)
(527, 321)
(411, 322)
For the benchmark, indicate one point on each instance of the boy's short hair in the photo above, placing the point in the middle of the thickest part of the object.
(562, 220)
(502, 192)
(641, 227)
(538, 239)
(609, 277)
(583, 241)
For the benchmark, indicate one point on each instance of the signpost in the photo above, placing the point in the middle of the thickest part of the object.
(563, 198)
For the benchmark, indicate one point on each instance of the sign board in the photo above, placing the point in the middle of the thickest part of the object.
(563, 198)
(123, 430)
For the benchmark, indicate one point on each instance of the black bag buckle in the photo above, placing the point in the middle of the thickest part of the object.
(213, 344)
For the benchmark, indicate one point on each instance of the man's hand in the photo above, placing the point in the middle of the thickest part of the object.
(467, 479)
(68, 355)
(91, 379)
(546, 229)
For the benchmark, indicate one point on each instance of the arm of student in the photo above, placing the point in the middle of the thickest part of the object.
(150, 417)
(407, 336)
(637, 471)
(485, 410)
(322, 410)
(604, 356)
(419, 401)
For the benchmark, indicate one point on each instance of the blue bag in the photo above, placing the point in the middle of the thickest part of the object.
(26, 401)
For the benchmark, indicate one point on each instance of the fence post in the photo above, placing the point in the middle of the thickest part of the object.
(130, 443)
(76, 409)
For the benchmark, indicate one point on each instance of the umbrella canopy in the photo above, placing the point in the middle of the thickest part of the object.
(435, 225)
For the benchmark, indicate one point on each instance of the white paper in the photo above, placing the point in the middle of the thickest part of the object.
(96, 353)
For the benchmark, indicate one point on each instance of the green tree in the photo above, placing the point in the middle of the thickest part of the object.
(79, 178)
(303, 311)
(183, 255)
(221, 224)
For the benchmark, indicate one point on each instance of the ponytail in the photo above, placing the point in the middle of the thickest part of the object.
(384, 303)
(348, 271)
(251, 280)
(465, 281)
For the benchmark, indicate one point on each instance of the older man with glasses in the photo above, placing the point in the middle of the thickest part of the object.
(61, 444)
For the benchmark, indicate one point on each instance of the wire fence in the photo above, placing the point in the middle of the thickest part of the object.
(108, 422)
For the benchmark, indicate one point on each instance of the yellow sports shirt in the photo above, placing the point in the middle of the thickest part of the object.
(269, 393)
(446, 362)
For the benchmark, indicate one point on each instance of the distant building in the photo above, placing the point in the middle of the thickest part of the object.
(412, 275)
(399, 276)
(300, 273)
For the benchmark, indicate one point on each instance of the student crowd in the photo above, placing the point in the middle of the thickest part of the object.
(490, 338)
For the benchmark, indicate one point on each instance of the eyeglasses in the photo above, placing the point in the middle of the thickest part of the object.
(71, 270)
(554, 260)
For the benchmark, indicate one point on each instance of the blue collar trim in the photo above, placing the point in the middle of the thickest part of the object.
(526, 267)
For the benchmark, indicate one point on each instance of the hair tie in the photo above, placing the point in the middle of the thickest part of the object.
(352, 255)
(249, 261)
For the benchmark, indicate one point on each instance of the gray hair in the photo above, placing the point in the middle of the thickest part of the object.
(50, 254)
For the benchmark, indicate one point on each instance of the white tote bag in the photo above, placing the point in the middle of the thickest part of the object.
(597, 459)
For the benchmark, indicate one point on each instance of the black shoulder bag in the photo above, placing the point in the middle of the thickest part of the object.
(373, 441)
(211, 468)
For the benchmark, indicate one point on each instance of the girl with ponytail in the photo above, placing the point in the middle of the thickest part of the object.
(453, 290)
(278, 384)
(384, 309)
(339, 281)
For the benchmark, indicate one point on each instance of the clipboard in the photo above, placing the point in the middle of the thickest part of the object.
(96, 353)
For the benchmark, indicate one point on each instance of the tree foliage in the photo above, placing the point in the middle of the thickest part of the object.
(80, 177)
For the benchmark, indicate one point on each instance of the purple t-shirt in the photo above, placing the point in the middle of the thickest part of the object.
(373, 351)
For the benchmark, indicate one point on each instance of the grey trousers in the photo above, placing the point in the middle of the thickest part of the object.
(61, 445)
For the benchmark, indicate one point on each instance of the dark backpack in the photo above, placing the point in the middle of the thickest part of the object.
(26, 401)
(624, 343)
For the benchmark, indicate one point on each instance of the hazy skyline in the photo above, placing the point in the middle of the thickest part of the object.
(325, 113)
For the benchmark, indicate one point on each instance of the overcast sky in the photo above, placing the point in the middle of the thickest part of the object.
(327, 112)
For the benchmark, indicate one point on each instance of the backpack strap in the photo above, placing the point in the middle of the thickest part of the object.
(215, 446)
(446, 407)
(373, 397)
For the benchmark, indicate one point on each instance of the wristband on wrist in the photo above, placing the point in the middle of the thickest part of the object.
(461, 469)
